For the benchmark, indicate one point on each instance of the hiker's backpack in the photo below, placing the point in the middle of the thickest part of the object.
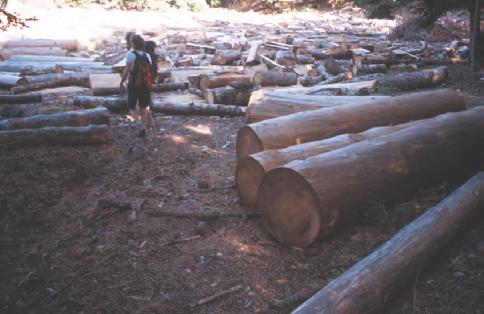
(142, 75)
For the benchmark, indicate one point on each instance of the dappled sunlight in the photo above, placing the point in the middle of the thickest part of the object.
(200, 129)
(177, 139)
(244, 248)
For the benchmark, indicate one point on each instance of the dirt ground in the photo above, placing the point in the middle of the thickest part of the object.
(154, 225)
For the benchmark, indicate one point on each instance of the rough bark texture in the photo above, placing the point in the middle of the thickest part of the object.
(415, 80)
(265, 104)
(306, 199)
(214, 81)
(168, 87)
(323, 123)
(84, 135)
(348, 89)
(71, 118)
(227, 96)
(18, 99)
(197, 109)
(252, 169)
(273, 78)
(367, 286)
(53, 80)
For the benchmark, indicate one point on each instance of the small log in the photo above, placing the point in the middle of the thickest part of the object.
(273, 78)
(369, 69)
(368, 285)
(270, 64)
(306, 199)
(168, 87)
(338, 78)
(54, 80)
(265, 104)
(404, 67)
(71, 118)
(252, 55)
(225, 57)
(286, 58)
(197, 109)
(205, 48)
(214, 81)
(18, 99)
(350, 88)
(28, 69)
(311, 80)
(83, 135)
(227, 96)
(323, 123)
(414, 80)
(9, 80)
(251, 169)
(68, 44)
(104, 84)
(305, 59)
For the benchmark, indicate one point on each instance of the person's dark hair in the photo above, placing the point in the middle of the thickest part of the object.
(150, 47)
(138, 42)
(128, 37)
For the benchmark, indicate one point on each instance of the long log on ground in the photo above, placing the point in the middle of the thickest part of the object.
(49, 58)
(369, 69)
(7, 54)
(197, 109)
(348, 88)
(227, 96)
(10, 79)
(323, 123)
(113, 104)
(83, 135)
(309, 198)
(251, 169)
(168, 87)
(68, 44)
(214, 81)
(104, 84)
(224, 57)
(366, 287)
(18, 99)
(415, 80)
(265, 104)
(71, 118)
(51, 81)
(273, 78)
(28, 69)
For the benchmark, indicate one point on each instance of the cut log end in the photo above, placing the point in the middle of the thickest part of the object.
(293, 217)
(248, 142)
(248, 177)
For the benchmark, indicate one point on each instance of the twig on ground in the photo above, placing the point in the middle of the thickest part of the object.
(216, 296)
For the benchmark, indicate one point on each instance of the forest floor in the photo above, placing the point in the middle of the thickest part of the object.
(153, 225)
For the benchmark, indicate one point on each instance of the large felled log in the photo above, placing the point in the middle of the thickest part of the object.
(29, 69)
(197, 109)
(368, 285)
(214, 81)
(304, 199)
(17, 99)
(38, 51)
(252, 169)
(68, 44)
(323, 123)
(227, 96)
(415, 80)
(83, 135)
(349, 88)
(113, 104)
(168, 87)
(48, 58)
(369, 69)
(71, 118)
(51, 81)
(10, 79)
(273, 78)
(224, 57)
(104, 84)
(265, 104)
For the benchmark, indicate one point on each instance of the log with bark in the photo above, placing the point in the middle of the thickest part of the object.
(68, 44)
(197, 109)
(223, 79)
(10, 79)
(168, 87)
(265, 104)
(367, 286)
(81, 135)
(104, 84)
(29, 69)
(227, 95)
(369, 69)
(48, 59)
(225, 57)
(323, 123)
(251, 169)
(252, 55)
(52, 80)
(414, 80)
(113, 104)
(8, 53)
(97, 115)
(273, 78)
(347, 88)
(306, 199)
(18, 99)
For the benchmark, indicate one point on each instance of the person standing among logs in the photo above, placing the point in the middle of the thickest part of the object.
(139, 71)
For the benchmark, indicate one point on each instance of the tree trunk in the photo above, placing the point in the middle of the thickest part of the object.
(347, 89)
(366, 287)
(304, 199)
(68, 44)
(104, 84)
(28, 69)
(369, 69)
(197, 109)
(273, 78)
(83, 135)
(265, 105)
(18, 99)
(53, 80)
(47, 58)
(214, 81)
(225, 57)
(10, 79)
(32, 51)
(323, 123)
(113, 104)
(414, 80)
(252, 169)
(71, 118)
(227, 96)
(168, 87)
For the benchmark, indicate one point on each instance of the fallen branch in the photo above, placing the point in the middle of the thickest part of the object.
(216, 296)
